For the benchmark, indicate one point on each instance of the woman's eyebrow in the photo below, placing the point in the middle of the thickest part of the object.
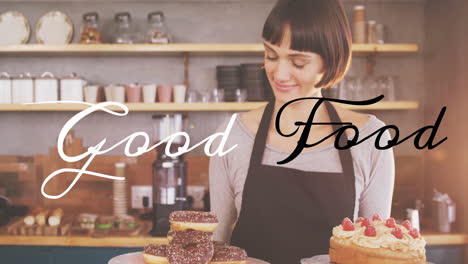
(291, 55)
(299, 55)
(269, 48)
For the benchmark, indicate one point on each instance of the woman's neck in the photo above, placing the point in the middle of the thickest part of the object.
(299, 111)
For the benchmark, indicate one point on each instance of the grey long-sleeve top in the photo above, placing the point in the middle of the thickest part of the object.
(374, 172)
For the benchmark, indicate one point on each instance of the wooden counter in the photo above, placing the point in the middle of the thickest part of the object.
(432, 238)
(80, 241)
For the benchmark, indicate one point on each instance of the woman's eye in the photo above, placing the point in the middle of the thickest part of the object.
(271, 58)
(299, 65)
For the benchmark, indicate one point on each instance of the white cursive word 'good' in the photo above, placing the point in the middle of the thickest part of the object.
(96, 150)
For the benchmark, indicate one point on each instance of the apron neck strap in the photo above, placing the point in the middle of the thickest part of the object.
(345, 154)
(261, 136)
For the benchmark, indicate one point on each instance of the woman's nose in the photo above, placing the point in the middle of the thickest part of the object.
(282, 71)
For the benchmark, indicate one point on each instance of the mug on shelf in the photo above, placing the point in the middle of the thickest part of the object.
(133, 91)
(149, 93)
(164, 93)
(91, 93)
(118, 93)
(179, 93)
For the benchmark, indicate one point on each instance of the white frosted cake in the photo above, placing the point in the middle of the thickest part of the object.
(376, 241)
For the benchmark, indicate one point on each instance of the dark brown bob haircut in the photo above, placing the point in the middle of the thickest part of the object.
(318, 26)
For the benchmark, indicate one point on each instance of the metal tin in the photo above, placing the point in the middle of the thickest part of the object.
(46, 88)
(5, 88)
(71, 88)
(22, 89)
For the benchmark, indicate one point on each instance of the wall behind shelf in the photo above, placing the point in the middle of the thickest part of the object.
(190, 21)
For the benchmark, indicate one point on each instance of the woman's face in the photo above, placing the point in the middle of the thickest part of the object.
(292, 74)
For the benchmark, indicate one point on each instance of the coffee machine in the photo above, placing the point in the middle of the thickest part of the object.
(169, 174)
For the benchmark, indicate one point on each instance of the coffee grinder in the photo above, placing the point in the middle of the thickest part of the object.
(169, 174)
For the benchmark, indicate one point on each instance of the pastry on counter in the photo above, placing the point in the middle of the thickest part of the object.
(376, 241)
(104, 222)
(41, 217)
(55, 217)
(30, 219)
(87, 221)
(127, 222)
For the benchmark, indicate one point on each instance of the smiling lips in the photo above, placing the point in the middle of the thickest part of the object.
(284, 88)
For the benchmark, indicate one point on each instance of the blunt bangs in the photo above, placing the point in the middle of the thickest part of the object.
(318, 26)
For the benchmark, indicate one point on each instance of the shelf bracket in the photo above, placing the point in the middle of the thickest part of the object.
(186, 69)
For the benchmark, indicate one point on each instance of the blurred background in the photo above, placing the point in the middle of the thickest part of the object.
(190, 67)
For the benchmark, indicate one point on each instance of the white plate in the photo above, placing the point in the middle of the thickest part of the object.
(14, 28)
(137, 258)
(54, 28)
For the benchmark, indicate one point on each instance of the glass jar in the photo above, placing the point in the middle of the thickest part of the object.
(123, 32)
(157, 29)
(90, 33)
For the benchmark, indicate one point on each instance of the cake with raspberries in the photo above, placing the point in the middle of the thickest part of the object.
(376, 241)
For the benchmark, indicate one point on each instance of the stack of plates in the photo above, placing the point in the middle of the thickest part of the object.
(254, 81)
(120, 197)
(228, 77)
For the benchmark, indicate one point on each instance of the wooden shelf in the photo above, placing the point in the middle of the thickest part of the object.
(179, 48)
(192, 107)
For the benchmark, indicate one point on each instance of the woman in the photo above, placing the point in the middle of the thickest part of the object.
(282, 213)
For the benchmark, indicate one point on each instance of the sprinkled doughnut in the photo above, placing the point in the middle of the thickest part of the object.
(155, 254)
(224, 254)
(172, 233)
(190, 247)
(201, 221)
(217, 243)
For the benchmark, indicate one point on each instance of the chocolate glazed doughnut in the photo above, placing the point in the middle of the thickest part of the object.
(201, 221)
(155, 254)
(224, 254)
(190, 247)
(172, 233)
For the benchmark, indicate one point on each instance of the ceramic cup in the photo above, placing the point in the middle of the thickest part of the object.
(108, 92)
(133, 93)
(149, 93)
(179, 93)
(164, 93)
(118, 94)
(91, 93)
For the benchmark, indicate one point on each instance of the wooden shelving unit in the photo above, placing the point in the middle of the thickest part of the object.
(179, 48)
(187, 49)
(190, 107)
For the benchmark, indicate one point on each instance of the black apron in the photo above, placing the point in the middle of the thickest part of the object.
(288, 214)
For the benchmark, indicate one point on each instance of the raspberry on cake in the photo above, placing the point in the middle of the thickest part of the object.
(376, 242)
